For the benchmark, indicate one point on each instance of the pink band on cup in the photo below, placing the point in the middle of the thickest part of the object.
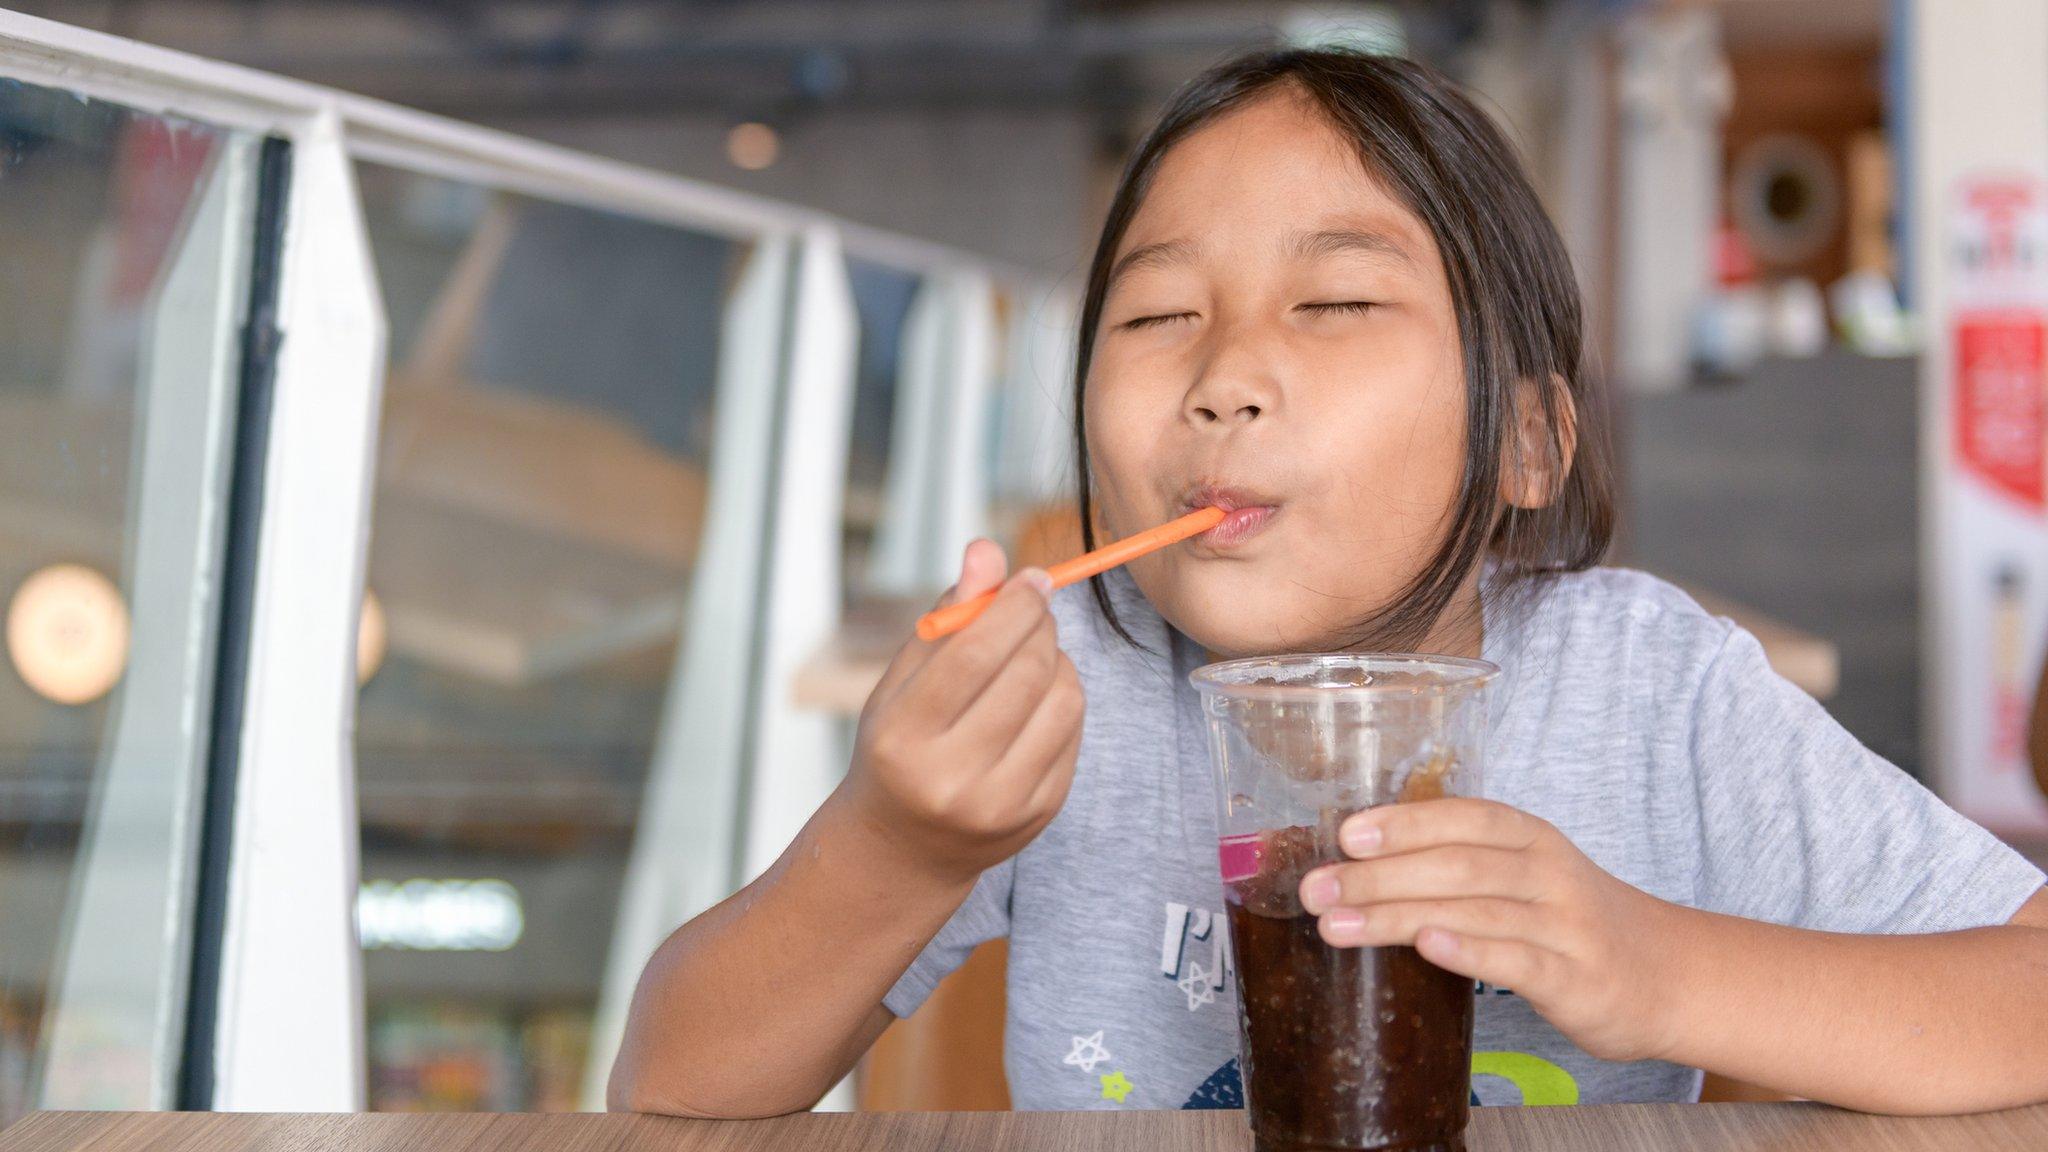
(1239, 856)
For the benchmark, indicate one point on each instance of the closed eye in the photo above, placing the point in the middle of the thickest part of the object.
(1157, 321)
(1340, 308)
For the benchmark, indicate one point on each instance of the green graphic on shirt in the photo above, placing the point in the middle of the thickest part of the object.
(1542, 1083)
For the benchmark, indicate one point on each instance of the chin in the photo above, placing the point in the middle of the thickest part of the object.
(1247, 610)
(1226, 627)
(1245, 607)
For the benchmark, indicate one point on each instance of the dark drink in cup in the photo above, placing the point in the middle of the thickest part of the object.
(1340, 1048)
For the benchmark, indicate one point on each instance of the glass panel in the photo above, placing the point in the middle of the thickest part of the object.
(124, 246)
(1008, 498)
(540, 494)
(1032, 509)
(882, 297)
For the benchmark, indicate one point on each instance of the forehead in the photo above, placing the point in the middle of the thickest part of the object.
(1270, 169)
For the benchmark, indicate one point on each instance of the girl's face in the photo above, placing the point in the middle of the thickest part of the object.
(1277, 338)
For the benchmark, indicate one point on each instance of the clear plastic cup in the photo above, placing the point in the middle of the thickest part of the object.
(1340, 1048)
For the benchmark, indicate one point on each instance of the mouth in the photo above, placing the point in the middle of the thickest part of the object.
(1246, 513)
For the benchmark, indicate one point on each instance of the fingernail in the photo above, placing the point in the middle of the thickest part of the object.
(1438, 941)
(1319, 891)
(1038, 578)
(1359, 838)
(1344, 923)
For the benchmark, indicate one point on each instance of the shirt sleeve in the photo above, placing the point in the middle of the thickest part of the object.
(983, 916)
(1800, 824)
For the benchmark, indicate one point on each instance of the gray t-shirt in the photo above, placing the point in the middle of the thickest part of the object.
(1653, 735)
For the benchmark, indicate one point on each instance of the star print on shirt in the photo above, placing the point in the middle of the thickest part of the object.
(1087, 1052)
(1196, 985)
(1116, 1086)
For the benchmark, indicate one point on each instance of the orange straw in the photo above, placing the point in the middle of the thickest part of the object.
(952, 618)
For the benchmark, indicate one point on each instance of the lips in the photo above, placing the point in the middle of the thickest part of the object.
(1247, 512)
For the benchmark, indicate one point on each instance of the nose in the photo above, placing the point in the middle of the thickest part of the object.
(1236, 388)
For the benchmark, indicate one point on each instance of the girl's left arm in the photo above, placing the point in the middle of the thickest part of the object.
(1949, 1022)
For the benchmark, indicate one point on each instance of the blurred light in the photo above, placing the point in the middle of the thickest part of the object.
(371, 638)
(752, 146)
(67, 633)
(439, 915)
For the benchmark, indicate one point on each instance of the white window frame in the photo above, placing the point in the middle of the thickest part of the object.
(289, 1033)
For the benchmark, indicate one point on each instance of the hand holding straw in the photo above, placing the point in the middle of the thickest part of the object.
(945, 621)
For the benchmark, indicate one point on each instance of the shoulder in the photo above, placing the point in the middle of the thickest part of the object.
(1612, 634)
(1619, 604)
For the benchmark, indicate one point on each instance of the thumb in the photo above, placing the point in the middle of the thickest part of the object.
(982, 567)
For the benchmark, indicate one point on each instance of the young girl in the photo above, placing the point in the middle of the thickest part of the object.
(1327, 299)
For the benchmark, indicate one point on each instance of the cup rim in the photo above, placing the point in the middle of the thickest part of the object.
(1217, 679)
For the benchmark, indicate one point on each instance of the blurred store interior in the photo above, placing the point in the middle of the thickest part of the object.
(1734, 178)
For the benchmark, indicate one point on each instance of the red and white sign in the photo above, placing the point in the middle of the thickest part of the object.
(1991, 595)
(2001, 418)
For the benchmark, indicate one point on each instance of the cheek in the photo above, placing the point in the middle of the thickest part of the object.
(1117, 446)
(1401, 461)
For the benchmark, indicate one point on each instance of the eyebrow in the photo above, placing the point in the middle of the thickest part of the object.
(1160, 255)
(1339, 241)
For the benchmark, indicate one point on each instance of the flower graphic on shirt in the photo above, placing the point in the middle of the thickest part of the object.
(1116, 1086)
(1196, 985)
(1087, 1052)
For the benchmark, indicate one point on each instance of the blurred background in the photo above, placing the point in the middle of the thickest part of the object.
(1809, 232)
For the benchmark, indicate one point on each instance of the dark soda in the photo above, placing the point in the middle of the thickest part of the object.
(1343, 1048)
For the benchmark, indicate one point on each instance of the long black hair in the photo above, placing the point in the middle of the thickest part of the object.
(1512, 289)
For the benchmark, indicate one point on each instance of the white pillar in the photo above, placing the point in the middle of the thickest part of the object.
(1977, 144)
(1675, 90)
(290, 1033)
(799, 756)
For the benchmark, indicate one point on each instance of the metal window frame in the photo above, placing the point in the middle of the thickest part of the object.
(177, 84)
(287, 1028)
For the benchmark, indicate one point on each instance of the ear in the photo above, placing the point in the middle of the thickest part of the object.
(1540, 446)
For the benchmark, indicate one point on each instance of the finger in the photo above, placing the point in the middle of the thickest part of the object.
(1018, 687)
(968, 660)
(1528, 969)
(1450, 872)
(1040, 744)
(1393, 828)
(982, 566)
(1383, 925)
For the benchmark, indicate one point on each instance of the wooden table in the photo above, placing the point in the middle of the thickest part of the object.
(1619, 1127)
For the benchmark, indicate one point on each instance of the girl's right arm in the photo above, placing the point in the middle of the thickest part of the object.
(965, 752)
